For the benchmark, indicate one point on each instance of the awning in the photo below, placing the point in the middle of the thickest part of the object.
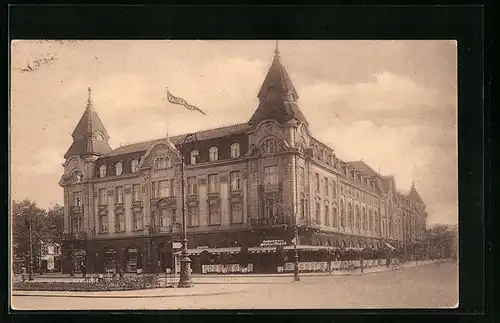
(212, 250)
(390, 246)
(262, 249)
(310, 248)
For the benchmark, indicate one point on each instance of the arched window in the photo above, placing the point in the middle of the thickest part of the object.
(235, 150)
(78, 177)
(194, 156)
(118, 169)
(269, 146)
(102, 171)
(213, 153)
(162, 162)
(134, 165)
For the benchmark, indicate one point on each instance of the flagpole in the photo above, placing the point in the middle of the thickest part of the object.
(166, 111)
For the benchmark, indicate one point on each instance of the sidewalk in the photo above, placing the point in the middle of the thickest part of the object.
(196, 290)
(249, 278)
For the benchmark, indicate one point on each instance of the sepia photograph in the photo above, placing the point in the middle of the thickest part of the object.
(233, 174)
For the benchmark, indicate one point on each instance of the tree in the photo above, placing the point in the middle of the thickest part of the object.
(24, 213)
(54, 224)
(442, 239)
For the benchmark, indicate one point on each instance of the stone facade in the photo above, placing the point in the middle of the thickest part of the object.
(243, 183)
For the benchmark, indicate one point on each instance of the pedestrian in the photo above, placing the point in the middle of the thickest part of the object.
(83, 269)
(120, 272)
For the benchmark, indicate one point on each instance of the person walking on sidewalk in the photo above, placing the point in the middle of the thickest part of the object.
(83, 269)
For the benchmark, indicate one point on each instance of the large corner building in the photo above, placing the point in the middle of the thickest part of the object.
(245, 184)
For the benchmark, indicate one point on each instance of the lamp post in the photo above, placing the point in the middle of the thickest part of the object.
(185, 274)
(30, 277)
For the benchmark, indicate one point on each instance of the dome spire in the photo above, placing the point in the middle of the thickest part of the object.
(89, 100)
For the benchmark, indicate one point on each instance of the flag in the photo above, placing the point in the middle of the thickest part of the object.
(180, 101)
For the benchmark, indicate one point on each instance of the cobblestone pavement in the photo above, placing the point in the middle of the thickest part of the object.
(429, 286)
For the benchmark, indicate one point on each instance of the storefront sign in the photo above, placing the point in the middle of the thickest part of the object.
(133, 250)
(271, 243)
(202, 247)
(176, 245)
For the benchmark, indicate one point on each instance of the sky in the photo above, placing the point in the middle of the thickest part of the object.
(392, 104)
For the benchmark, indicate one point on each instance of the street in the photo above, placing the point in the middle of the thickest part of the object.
(427, 286)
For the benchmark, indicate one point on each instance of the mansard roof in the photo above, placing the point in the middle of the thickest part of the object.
(201, 135)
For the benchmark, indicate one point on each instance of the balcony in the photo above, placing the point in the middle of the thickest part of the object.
(269, 222)
(76, 236)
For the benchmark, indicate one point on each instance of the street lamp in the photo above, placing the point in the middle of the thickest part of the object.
(296, 238)
(185, 274)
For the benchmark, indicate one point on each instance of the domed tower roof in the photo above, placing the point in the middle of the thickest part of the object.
(277, 95)
(90, 136)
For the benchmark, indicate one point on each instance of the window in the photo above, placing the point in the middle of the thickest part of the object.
(316, 179)
(193, 218)
(136, 192)
(318, 213)
(302, 179)
(192, 186)
(370, 222)
(302, 209)
(349, 215)
(365, 220)
(235, 181)
(214, 213)
(78, 177)
(327, 215)
(103, 197)
(334, 217)
(119, 195)
(154, 190)
(118, 169)
(236, 211)
(103, 224)
(163, 188)
(77, 199)
(134, 165)
(137, 218)
(173, 215)
(235, 150)
(172, 187)
(77, 224)
(213, 153)
(269, 146)
(334, 189)
(152, 221)
(164, 218)
(342, 214)
(194, 156)
(213, 183)
(358, 218)
(120, 222)
(102, 171)
(162, 162)
(377, 222)
(271, 175)
(326, 185)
